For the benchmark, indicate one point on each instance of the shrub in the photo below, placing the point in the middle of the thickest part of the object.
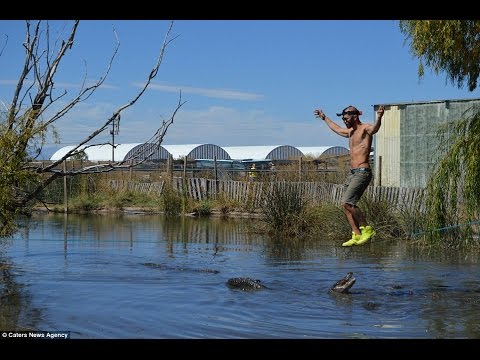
(171, 201)
(282, 205)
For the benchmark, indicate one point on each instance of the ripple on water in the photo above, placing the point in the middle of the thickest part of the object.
(147, 277)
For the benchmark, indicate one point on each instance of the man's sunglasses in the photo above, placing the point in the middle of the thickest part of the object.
(352, 112)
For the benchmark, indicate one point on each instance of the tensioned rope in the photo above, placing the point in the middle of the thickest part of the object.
(446, 228)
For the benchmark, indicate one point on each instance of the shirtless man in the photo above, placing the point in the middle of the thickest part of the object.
(360, 142)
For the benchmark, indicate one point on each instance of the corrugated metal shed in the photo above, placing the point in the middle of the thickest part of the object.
(387, 148)
(406, 146)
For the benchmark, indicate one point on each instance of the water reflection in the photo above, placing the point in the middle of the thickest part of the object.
(16, 311)
(148, 276)
(127, 229)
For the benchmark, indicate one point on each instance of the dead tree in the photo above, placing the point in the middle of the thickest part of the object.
(24, 122)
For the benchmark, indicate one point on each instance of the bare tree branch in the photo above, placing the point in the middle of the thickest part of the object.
(13, 113)
(38, 104)
(156, 140)
(117, 113)
(4, 45)
(24, 128)
(84, 93)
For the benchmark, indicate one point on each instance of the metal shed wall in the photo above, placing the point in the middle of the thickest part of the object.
(410, 163)
(387, 149)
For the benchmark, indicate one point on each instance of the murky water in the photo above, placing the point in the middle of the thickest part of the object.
(146, 276)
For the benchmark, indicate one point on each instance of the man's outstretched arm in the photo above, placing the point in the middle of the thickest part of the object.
(378, 122)
(336, 128)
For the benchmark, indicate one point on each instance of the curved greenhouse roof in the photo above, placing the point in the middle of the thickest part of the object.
(322, 151)
(98, 152)
(197, 151)
(140, 152)
(201, 151)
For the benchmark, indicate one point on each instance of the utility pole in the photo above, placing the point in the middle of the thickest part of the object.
(113, 132)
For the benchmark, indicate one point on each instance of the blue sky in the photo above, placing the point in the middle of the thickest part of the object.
(245, 82)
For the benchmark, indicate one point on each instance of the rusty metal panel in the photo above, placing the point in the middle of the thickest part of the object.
(408, 142)
(387, 149)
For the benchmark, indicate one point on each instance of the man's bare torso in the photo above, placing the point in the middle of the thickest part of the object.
(360, 142)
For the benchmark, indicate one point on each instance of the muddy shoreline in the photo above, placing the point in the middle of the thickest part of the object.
(130, 210)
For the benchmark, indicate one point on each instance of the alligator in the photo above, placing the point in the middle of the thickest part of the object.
(343, 285)
(248, 284)
(245, 284)
(178, 268)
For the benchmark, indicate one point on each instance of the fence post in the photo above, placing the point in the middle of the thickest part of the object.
(65, 198)
(216, 176)
(300, 169)
(184, 186)
(379, 172)
(185, 167)
(170, 169)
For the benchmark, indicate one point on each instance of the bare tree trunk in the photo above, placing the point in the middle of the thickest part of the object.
(25, 124)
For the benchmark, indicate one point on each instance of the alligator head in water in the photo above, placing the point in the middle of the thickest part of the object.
(245, 284)
(343, 285)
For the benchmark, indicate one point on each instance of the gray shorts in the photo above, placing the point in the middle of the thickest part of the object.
(356, 183)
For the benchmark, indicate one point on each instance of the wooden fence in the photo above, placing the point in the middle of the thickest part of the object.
(318, 192)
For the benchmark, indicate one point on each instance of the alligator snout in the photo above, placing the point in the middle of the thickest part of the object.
(245, 284)
(343, 285)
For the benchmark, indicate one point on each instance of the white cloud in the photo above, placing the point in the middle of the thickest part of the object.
(8, 82)
(230, 127)
(218, 125)
(87, 84)
(82, 120)
(212, 93)
(60, 85)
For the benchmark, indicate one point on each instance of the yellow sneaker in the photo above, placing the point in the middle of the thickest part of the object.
(367, 233)
(353, 240)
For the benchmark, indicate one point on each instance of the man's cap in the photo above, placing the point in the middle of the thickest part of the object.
(350, 112)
